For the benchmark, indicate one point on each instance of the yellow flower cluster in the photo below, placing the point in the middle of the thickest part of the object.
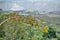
(45, 30)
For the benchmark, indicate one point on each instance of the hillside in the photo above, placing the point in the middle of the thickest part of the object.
(16, 26)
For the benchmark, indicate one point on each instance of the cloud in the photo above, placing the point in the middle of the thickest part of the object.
(39, 0)
(44, 5)
(15, 7)
(33, 0)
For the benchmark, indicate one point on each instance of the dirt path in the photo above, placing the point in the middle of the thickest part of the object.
(4, 21)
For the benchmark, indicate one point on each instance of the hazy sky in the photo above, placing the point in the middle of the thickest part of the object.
(42, 5)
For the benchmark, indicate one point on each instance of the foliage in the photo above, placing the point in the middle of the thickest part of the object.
(20, 27)
(51, 34)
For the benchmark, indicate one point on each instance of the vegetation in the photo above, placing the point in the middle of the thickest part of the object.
(14, 26)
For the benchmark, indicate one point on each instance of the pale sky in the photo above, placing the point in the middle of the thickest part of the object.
(42, 5)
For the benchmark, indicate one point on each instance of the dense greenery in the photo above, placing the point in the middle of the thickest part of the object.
(14, 26)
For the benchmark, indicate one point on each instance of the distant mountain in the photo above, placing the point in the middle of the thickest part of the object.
(33, 12)
(55, 12)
